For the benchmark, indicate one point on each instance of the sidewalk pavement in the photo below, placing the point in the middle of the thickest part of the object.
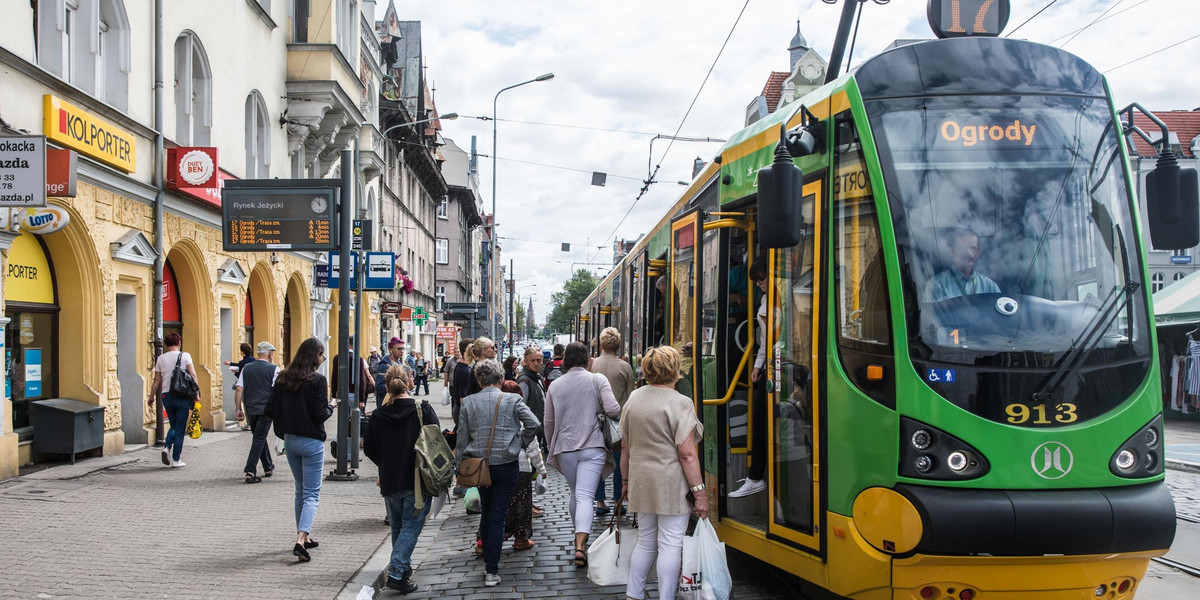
(1182, 444)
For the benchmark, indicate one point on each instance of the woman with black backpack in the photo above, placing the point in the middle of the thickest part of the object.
(389, 442)
(178, 407)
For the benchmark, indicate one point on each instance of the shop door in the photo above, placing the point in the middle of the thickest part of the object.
(133, 394)
(228, 379)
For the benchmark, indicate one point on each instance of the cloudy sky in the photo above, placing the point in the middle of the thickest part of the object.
(626, 70)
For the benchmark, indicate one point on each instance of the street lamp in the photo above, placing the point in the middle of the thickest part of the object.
(492, 250)
(446, 117)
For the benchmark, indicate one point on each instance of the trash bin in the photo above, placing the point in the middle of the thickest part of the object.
(62, 426)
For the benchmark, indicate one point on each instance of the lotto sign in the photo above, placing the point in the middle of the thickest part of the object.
(192, 167)
(23, 170)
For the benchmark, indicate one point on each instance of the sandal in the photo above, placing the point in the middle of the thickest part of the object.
(251, 478)
(268, 473)
(537, 512)
(581, 558)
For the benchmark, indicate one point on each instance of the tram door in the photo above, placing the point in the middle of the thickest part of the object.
(681, 297)
(793, 381)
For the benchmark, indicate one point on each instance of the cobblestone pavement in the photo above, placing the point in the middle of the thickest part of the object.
(139, 529)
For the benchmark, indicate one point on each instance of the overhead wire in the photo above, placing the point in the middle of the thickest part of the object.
(1094, 21)
(1152, 53)
(1098, 21)
(1014, 30)
(696, 97)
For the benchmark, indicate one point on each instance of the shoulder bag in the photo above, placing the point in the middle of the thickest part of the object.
(182, 382)
(609, 427)
(473, 471)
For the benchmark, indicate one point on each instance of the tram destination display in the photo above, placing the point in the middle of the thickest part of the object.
(279, 214)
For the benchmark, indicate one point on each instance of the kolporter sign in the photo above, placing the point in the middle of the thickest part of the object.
(66, 124)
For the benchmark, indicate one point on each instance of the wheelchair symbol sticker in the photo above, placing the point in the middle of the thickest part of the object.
(941, 375)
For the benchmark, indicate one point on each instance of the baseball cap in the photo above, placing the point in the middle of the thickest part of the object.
(264, 347)
(374, 349)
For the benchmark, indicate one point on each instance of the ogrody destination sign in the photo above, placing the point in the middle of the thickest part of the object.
(279, 214)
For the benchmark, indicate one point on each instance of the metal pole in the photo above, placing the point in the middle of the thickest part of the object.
(512, 285)
(159, 260)
(360, 277)
(345, 237)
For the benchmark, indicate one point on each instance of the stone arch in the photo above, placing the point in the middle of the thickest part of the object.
(299, 323)
(84, 304)
(265, 305)
(198, 309)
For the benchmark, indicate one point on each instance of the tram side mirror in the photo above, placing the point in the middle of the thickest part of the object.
(780, 221)
(1173, 205)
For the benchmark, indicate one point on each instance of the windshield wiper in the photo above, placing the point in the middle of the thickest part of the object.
(1087, 341)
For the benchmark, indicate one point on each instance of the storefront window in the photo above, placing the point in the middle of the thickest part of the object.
(31, 338)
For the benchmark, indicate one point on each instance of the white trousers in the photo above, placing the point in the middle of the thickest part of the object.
(661, 535)
(582, 469)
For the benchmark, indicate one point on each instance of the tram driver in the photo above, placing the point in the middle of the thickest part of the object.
(960, 279)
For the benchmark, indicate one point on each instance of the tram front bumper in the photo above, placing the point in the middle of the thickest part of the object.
(1112, 577)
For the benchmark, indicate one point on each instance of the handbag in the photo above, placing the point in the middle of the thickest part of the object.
(193, 423)
(182, 382)
(609, 554)
(610, 428)
(473, 471)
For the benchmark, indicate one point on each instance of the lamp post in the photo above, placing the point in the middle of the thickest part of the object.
(492, 249)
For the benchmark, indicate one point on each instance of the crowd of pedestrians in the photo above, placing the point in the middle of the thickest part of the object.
(519, 416)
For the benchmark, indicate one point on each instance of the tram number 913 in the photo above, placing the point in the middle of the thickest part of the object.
(1020, 414)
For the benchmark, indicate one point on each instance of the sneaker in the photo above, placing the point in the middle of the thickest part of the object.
(491, 579)
(404, 586)
(749, 488)
(176, 464)
(166, 457)
(459, 492)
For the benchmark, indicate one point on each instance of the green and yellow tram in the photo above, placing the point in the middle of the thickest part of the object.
(961, 391)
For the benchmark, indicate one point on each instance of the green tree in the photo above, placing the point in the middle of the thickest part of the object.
(518, 322)
(565, 304)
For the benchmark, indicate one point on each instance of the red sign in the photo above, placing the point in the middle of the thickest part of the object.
(391, 308)
(192, 167)
(406, 313)
(447, 332)
(60, 173)
(209, 196)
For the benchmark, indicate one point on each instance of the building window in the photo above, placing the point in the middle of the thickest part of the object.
(347, 28)
(1178, 276)
(193, 92)
(439, 297)
(301, 11)
(86, 42)
(441, 252)
(1156, 282)
(1180, 252)
(258, 138)
(443, 209)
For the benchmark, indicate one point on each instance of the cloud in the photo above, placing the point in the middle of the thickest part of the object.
(633, 65)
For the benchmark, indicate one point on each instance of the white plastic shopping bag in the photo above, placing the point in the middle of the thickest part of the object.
(446, 395)
(609, 554)
(705, 574)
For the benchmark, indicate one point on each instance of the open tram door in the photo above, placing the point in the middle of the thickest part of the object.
(682, 282)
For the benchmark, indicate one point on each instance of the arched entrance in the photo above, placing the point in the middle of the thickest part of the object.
(31, 338)
(296, 323)
(185, 267)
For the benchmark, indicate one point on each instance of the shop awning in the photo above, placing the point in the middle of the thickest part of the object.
(1178, 303)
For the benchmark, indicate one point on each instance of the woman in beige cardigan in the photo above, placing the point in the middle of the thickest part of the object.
(659, 432)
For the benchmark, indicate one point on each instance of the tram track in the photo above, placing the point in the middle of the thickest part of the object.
(1192, 570)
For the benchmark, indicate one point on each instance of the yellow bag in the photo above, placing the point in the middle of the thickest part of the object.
(193, 422)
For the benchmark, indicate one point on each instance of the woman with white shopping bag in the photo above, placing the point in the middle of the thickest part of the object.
(659, 464)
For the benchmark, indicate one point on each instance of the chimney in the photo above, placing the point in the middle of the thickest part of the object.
(698, 166)
(473, 164)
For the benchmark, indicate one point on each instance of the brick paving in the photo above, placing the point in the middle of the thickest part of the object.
(129, 527)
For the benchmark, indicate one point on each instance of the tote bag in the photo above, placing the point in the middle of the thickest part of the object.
(609, 554)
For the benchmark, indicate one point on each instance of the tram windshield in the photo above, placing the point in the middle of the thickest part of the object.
(1018, 252)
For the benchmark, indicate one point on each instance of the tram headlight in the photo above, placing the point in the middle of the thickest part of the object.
(929, 453)
(957, 460)
(921, 439)
(1101, 590)
(1126, 459)
(923, 464)
(1140, 455)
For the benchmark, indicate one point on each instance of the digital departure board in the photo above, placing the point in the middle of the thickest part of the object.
(279, 214)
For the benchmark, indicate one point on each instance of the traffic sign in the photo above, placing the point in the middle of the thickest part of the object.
(360, 233)
(381, 271)
(335, 268)
(279, 214)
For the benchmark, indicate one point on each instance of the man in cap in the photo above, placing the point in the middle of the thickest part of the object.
(252, 391)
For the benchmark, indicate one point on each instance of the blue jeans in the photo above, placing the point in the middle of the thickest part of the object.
(494, 501)
(178, 410)
(616, 452)
(406, 522)
(306, 457)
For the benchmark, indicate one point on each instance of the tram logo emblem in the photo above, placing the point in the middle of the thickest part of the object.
(1052, 460)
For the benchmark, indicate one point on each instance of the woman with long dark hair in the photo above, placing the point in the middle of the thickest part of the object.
(299, 406)
(178, 407)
